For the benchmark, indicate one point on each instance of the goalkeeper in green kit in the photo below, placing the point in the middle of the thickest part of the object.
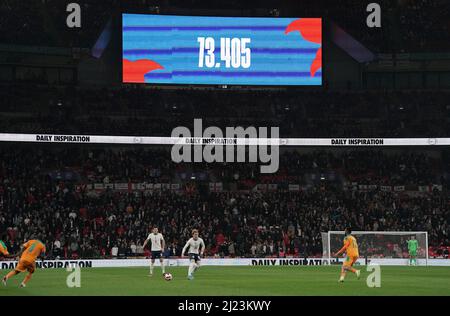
(412, 250)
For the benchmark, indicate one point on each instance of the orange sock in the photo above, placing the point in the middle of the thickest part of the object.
(10, 274)
(27, 278)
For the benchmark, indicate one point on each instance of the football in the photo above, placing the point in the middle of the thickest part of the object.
(168, 276)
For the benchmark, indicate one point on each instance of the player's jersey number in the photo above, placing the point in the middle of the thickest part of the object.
(354, 244)
(30, 250)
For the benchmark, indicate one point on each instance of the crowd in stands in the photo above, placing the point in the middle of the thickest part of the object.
(425, 25)
(407, 25)
(155, 112)
(42, 187)
(43, 22)
(22, 22)
(80, 223)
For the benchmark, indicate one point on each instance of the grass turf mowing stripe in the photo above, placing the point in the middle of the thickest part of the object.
(231, 281)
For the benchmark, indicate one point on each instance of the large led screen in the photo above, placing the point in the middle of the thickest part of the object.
(161, 49)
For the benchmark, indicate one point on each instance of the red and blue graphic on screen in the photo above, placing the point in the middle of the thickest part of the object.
(221, 50)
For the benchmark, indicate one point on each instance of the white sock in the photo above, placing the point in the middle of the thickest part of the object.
(196, 266)
(163, 267)
(151, 268)
(191, 268)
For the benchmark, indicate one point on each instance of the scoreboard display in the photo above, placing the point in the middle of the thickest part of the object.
(163, 49)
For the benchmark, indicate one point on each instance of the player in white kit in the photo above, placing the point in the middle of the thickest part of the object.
(196, 249)
(157, 241)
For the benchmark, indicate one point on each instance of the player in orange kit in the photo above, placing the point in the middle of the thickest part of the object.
(31, 250)
(351, 249)
(3, 248)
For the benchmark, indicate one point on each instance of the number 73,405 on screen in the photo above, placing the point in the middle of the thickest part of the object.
(234, 52)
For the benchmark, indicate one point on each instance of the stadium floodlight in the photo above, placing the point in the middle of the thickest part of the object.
(375, 245)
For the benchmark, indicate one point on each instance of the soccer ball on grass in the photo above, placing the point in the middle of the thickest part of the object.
(168, 276)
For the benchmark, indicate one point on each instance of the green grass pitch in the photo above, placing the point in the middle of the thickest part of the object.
(229, 281)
